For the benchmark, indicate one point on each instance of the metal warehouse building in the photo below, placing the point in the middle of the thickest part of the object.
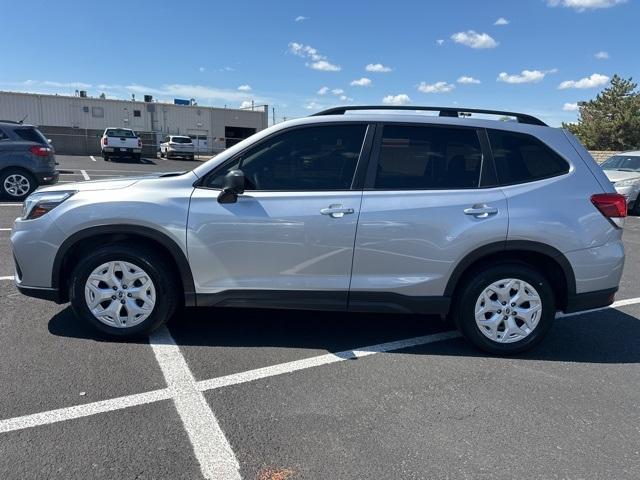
(75, 123)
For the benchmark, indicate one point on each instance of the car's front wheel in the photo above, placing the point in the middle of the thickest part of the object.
(123, 290)
(17, 184)
(505, 309)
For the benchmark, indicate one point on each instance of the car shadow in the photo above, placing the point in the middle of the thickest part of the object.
(607, 336)
(127, 160)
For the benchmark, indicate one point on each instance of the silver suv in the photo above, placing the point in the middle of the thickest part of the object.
(499, 224)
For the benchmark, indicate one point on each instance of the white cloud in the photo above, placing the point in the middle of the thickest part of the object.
(377, 67)
(602, 55)
(438, 87)
(337, 91)
(323, 91)
(199, 92)
(582, 5)
(570, 107)
(344, 98)
(440, 42)
(400, 99)
(468, 80)
(226, 69)
(501, 21)
(312, 106)
(300, 18)
(526, 76)
(244, 88)
(595, 80)
(77, 85)
(202, 69)
(318, 61)
(245, 104)
(473, 39)
(362, 82)
(325, 66)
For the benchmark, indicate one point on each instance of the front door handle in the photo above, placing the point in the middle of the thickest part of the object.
(336, 211)
(480, 211)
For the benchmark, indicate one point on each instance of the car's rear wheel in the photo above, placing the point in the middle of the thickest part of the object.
(17, 184)
(123, 290)
(505, 309)
(105, 157)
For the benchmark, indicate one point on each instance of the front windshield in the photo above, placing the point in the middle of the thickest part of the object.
(625, 163)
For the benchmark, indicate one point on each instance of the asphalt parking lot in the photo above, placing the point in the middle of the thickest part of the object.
(259, 394)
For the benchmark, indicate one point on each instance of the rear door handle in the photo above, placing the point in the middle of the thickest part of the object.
(480, 211)
(336, 211)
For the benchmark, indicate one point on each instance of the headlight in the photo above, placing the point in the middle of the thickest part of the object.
(39, 203)
(628, 183)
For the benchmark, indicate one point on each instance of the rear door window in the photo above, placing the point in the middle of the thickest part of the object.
(521, 158)
(428, 158)
(181, 140)
(30, 135)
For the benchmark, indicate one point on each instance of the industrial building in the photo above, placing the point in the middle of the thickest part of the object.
(75, 123)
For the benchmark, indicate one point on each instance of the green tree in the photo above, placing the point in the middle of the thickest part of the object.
(611, 121)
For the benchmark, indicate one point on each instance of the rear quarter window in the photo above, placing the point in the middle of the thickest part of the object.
(521, 158)
(119, 132)
(30, 135)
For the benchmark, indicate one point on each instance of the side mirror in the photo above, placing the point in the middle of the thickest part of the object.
(233, 186)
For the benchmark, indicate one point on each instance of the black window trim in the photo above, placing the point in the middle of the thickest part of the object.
(486, 162)
(535, 139)
(358, 175)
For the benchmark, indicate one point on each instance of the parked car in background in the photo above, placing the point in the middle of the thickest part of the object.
(177, 146)
(120, 142)
(27, 160)
(498, 224)
(623, 170)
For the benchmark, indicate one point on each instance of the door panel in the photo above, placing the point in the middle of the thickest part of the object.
(409, 242)
(272, 241)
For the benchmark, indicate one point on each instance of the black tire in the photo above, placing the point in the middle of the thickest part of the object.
(28, 177)
(105, 157)
(476, 282)
(191, 158)
(161, 154)
(167, 294)
(636, 208)
(138, 157)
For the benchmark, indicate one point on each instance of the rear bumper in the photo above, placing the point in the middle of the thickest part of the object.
(47, 178)
(178, 153)
(121, 152)
(590, 300)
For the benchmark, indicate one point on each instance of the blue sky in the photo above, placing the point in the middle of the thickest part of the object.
(543, 58)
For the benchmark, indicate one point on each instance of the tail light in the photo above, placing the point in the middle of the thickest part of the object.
(40, 151)
(612, 205)
(105, 141)
(139, 143)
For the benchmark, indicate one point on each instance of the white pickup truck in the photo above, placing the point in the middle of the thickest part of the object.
(120, 142)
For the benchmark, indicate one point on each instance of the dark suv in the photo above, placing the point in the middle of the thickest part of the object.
(27, 160)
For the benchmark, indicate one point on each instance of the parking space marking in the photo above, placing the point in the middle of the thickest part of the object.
(92, 158)
(210, 445)
(84, 410)
(84, 175)
(10, 204)
(288, 367)
(5, 229)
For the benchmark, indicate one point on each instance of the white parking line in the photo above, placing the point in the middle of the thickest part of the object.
(84, 174)
(5, 229)
(85, 410)
(210, 446)
(10, 277)
(197, 417)
(10, 204)
(92, 158)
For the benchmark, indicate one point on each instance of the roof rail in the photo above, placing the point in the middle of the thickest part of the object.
(11, 121)
(443, 112)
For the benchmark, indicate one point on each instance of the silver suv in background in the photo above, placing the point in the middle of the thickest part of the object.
(27, 160)
(177, 146)
(498, 224)
(623, 170)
